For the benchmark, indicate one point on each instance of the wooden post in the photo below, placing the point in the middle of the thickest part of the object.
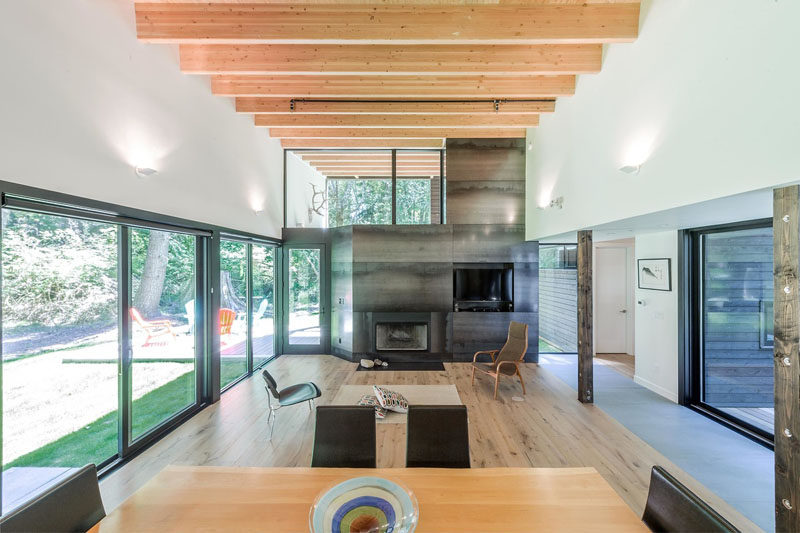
(786, 265)
(585, 320)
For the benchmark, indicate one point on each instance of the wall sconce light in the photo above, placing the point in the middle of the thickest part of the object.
(557, 203)
(144, 172)
(630, 169)
(258, 211)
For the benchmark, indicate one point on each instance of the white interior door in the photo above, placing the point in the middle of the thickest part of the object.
(611, 300)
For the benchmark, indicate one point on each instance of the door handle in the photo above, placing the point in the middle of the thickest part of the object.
(623, 311)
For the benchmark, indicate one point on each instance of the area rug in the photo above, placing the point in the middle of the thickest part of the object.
(415, 394)
(436, 366)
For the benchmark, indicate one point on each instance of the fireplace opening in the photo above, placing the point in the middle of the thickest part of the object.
(401, 336)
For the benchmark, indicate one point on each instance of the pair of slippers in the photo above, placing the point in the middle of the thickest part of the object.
(370, 363)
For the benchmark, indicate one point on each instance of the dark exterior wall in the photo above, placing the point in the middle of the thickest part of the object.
(738, 277)
(558, 314)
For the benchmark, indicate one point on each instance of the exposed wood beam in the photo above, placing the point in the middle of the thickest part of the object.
(786, 268)
(395, 86)
(487, 107)
(397, 121)
(344, 159)
(362, 143)
(272, 59)
(585, 319)
(349, 170)
(526, 23)
(410, 133)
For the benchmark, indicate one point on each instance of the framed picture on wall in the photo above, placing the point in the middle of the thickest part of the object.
(655, 274)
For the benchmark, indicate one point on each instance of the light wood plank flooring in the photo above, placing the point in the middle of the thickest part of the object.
(550, 428)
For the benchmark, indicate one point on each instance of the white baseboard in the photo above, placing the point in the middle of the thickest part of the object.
(658, 389)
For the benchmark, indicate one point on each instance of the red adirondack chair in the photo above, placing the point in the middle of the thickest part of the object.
(153, 328)
(226, 318)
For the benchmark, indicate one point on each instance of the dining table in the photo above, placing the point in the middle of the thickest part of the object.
(479, 500)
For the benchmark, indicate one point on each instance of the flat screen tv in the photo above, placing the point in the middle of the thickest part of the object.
(476, 284)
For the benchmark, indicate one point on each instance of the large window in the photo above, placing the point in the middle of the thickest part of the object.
(60, 349)
(332, 188)
(163, 334)
(104, 325)
(359, 201)
(732, 355)
(558, 298)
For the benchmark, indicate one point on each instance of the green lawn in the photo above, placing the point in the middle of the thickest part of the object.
(231, 370)
(97, 441)
(546, 347)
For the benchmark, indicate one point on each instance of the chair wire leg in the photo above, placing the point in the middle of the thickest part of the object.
(309, 404)
(274, 415)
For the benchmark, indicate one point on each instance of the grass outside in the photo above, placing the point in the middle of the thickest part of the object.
(97, 441)
(546, 347)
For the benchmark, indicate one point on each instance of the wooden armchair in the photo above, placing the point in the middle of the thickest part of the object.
(506, 360)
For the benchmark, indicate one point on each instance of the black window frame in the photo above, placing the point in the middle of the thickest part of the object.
(691, 322)
(393, 178)
(207, 363)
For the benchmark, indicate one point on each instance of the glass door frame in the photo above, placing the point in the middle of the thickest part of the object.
(127, 444)
(324, 314)
(691, 375)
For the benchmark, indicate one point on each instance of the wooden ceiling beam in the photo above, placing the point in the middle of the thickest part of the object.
(277, 59)
(397, 121)
(395, 86)
(390, 133)
(266, 105)
(344, 159)
(382, 23)
(334, 144)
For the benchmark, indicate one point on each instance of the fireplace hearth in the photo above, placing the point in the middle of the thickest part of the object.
(401, 337)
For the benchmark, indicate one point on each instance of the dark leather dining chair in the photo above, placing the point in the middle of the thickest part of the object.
(671, 507)
(291, 395)
(437, 437)
(344, 437)
(73, 504)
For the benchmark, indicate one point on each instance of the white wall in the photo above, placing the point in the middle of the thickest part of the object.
(657, 320)
(707, 96)
(82, 102)
(299, 177)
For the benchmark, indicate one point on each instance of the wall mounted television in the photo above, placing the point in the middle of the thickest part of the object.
(483, 287)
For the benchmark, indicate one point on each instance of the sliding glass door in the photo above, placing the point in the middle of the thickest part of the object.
(263, 304)
(233, 312)
(60, 349)
(247, 308)
(732, 355)
(162, 314)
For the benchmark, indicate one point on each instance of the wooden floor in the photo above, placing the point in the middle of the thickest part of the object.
(549, 428)
(621, 362)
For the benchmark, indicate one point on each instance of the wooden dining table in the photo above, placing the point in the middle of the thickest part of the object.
(480, 500)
